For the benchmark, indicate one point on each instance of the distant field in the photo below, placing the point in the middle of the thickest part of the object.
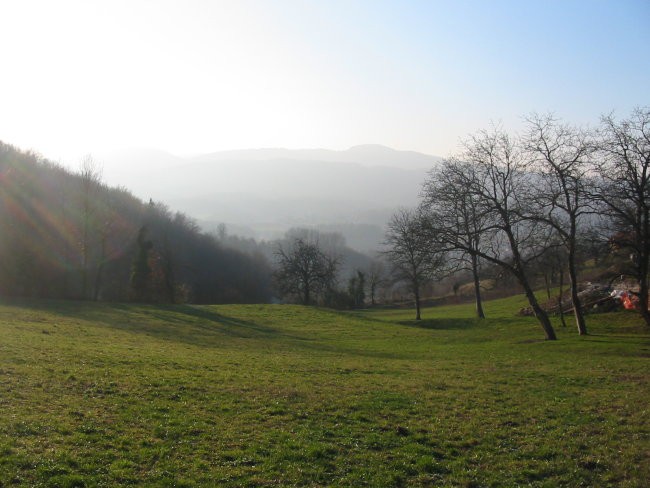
(275, 395)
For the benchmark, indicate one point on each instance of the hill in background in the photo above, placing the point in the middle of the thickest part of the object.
(263, 192)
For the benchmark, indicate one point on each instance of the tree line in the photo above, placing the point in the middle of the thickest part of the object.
(515, 201)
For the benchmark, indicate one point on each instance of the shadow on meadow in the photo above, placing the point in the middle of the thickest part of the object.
(186, 323)
(501, 328)
(442, 323)
(204, 326)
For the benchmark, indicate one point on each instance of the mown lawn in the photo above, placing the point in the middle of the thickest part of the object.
(277, 395)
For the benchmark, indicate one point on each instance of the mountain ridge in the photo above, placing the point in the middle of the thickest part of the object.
(279, 188)
(364, 154)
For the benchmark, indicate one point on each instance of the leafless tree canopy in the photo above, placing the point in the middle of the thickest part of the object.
(455, 218)
(304, 271)
(511, 200)
(415, 260)
(623, 187)
(559, 158)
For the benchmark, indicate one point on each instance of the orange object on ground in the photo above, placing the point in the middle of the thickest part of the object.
(630, 302)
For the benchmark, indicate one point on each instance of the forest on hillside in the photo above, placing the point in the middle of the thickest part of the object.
(68, 235)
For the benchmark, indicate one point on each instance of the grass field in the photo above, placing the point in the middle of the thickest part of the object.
(277, 395)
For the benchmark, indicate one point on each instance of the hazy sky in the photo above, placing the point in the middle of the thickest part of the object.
(196, 76)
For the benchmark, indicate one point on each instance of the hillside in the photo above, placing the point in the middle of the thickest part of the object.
(67, 234)
(269, 395)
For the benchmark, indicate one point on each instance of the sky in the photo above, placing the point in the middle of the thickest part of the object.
(197, 76)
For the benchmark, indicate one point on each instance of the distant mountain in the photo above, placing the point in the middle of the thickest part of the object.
(366, 155)
(271, 190)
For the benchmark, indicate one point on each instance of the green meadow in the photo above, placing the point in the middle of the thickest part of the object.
(279, 395)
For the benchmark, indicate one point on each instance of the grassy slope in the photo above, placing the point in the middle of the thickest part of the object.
(101, 395)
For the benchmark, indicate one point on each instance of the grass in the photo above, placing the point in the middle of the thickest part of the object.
(277, 395)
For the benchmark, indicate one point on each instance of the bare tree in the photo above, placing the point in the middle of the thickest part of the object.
(624, 188)
(90, 173)
(106, 227)
(414, 259)
(376, 279)
(454, 215)
(304, 270)
(559, 156)
(497, 181)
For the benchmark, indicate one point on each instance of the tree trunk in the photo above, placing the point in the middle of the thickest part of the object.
(575, 299)
(100, 269)
(560, 304)
(539, 312)
(520, 273)
(98, 281)
(417, 303)
(643, 287)
(477, 288)
(85, 245)
(84, 276)
(306, 297)
(643, 303)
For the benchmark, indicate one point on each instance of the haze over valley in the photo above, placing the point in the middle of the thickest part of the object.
(262, 193)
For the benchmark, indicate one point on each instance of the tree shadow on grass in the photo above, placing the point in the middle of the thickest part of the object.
(203, 326)
(442, 324)
(196, 325)
(209, 320)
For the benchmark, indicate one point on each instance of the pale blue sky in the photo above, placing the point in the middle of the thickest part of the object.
(197, 76)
